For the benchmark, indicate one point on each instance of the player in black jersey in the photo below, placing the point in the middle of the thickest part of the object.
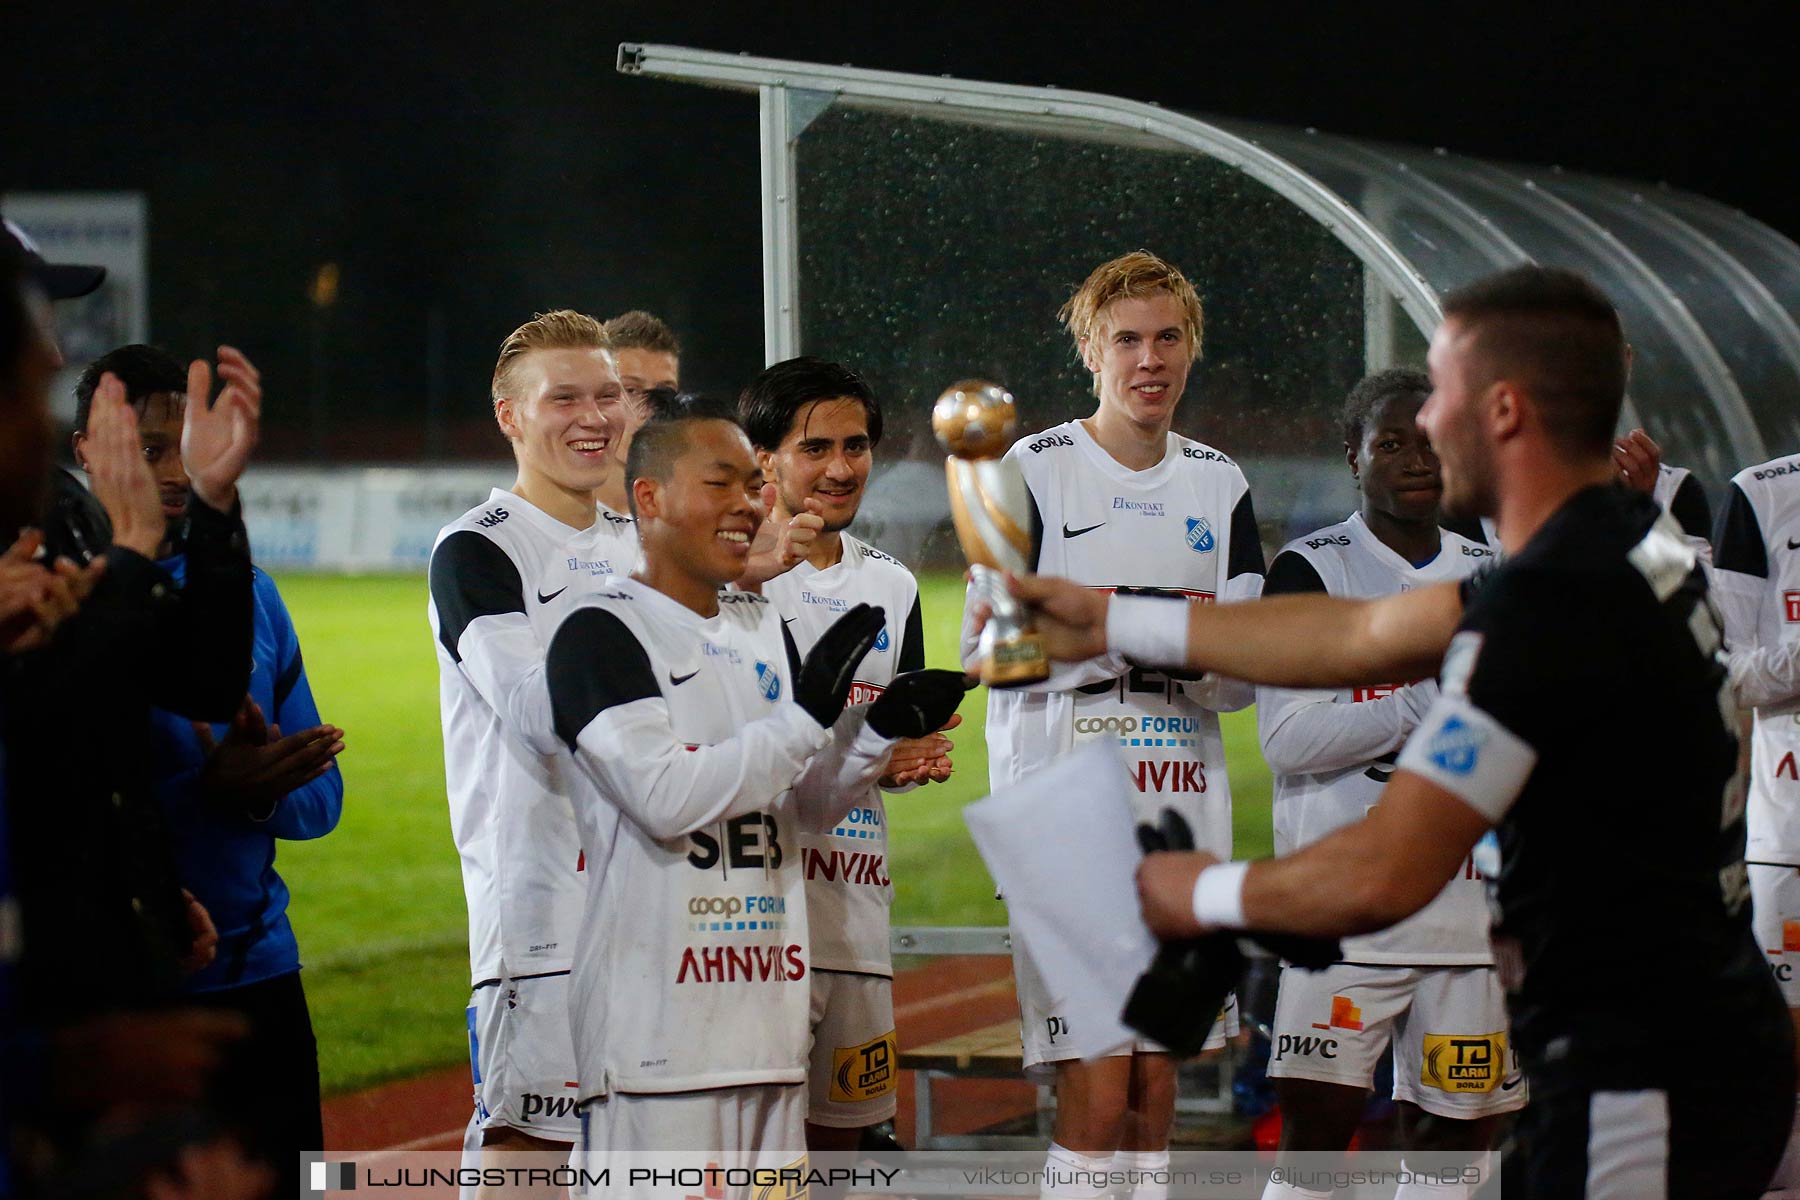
(1585, 713)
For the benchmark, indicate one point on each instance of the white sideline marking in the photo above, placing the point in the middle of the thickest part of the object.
(454, 1136)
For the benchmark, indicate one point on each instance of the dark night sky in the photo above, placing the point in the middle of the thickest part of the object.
(487, 161)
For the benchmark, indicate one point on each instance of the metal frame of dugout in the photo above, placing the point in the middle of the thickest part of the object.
(1707, 293)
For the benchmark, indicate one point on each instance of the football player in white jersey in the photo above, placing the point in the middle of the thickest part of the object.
(558, 400)
(1756, 577)
(815, 426)
(1125, 503)
(610, 545)
(1429, 982)
(1640, 463)
(701, 744)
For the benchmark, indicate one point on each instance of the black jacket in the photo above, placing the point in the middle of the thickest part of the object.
(104, 921)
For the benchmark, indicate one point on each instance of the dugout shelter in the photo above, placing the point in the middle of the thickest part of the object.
(926, 229)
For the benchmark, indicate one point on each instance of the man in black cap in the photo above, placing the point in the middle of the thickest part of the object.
(58, 281)
(75, 525)
(110, 925)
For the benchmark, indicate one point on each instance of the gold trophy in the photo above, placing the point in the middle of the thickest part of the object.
(974, 420)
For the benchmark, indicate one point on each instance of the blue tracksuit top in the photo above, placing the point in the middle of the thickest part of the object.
(229, 862)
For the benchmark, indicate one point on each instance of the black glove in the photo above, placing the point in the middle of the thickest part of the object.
(918, 702)
(1176, 1001)
(825, 677)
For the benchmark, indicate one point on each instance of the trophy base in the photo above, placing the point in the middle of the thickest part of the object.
(1015, 662)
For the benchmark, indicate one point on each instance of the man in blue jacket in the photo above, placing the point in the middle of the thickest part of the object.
(228, 792)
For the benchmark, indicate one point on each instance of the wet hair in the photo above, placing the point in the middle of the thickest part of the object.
(769, 406)
(639, 330)
(1372, 391)
(663, 437)
(144, 370)
(561, 329)
(1129, 277)
(1556, 335)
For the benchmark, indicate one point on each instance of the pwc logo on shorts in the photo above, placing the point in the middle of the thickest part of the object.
(1464, 1063)
(547, 1108)
(768, 681)
(1344, 1015)
(1200, 535)
(1304, 1045)
(1790, 944)
(864, 1072)
(1455, 747)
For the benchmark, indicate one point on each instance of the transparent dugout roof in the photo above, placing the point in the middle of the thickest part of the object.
(927, 229)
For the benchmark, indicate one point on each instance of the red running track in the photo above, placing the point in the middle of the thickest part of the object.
(945, 997)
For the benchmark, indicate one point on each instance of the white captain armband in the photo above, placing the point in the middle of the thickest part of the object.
(1470, 755)
(1150, 630)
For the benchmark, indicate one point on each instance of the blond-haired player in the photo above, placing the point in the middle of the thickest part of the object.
(558, 401)
(1125, 503)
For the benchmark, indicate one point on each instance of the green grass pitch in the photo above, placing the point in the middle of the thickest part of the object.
(378, 905)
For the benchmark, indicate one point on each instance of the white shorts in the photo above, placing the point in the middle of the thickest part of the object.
(1044, 1030)
(1775, 916)
(853, 1077)
(522, 1057)
(1452, 1056)
(761, 1127)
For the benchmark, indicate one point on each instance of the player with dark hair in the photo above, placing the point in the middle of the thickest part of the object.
(1428, 982)
(78, 818)
(646, 351)
(1585, 713)
(229, 791)
(156, 388)
(701, 744)
(815, 425)
(108, 922)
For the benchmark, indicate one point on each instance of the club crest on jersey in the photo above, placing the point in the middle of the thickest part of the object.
(881, 641)
(1200, 535)
(1456, 746)
(768, 681)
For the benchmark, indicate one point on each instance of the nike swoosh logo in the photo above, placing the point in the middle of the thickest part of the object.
(1507, 1085)
(1075, 533)
(788, 620)
(678, 680)
(543, 599)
